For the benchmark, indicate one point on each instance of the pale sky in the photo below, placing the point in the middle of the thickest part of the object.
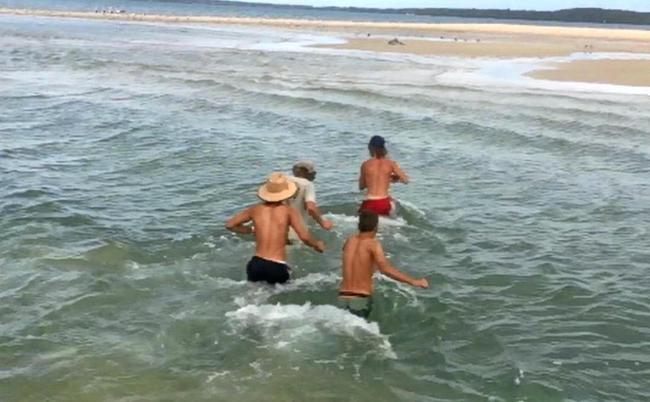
(638, 5)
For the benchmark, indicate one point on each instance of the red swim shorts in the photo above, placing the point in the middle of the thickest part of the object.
(381, 207)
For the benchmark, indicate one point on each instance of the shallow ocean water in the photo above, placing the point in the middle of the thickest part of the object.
(125, 147)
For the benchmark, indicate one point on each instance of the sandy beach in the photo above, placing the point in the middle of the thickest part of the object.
(453, 40)
(618, 72)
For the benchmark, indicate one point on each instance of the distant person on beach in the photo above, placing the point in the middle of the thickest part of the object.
(376, 176)
(271, 221)
(362, 255)
(304, 174)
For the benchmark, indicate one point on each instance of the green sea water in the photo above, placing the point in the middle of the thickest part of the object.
(125, 147)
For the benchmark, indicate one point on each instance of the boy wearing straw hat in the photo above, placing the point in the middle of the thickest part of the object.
(271, 222)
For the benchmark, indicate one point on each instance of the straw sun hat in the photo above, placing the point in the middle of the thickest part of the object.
(277, 188)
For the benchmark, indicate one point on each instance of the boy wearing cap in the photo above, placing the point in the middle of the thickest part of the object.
(376, 176)
(271, 221)
(304, 174)
(362, 255)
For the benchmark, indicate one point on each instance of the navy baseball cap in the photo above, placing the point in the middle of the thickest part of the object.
(377, 141)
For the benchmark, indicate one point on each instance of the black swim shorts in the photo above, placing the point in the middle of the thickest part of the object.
(259, 269)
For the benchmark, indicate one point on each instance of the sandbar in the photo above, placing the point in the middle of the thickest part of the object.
(616, 72)
(504, 41)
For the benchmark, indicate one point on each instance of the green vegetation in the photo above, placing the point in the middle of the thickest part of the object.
(586, 15)
(576, 15)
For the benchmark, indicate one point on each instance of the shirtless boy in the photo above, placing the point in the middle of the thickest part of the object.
(362, 255)
(376, 176)
(271, 221)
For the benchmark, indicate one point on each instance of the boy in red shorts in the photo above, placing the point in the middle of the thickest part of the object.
(376, 176)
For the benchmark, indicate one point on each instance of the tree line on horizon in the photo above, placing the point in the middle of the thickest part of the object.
(586, 15)
(580, 15)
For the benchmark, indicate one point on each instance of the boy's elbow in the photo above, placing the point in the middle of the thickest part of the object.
(229, 226)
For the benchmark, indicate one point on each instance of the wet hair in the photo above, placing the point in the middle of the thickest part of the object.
(368, 221)
(377, 146)
(377, 152)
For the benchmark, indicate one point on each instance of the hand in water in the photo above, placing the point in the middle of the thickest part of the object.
(320, 246)
(327, 225)
(421, 283)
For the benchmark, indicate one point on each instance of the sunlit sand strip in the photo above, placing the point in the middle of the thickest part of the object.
(506, 29)
(616, 72)
(463, 48)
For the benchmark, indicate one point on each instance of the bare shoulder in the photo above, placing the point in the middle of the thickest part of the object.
(288, 211)
(253, 209)
(375, 245)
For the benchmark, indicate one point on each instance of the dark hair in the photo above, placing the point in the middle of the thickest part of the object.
(368, 221)
(377, 152)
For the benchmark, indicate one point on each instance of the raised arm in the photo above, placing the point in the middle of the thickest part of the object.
(236, 223)
(399, 174)
(362, 178)
(387, 269)
(296, 222)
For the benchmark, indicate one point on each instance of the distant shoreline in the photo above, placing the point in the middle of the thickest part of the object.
(463, 40)
(497, 28)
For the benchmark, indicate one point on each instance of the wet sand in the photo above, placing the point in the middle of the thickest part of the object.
(617, 72)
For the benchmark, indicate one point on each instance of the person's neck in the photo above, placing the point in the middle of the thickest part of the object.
(367, 235)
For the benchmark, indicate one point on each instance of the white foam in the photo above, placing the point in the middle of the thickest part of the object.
(214, 375)
(348, 220)
(285, 325)
(511, 74)
(413, 207)
(226, 283)
(408, 292)
(258, 293)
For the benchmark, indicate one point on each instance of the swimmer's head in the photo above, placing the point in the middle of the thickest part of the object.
(377, 146)
(305, 169)
(368, 221)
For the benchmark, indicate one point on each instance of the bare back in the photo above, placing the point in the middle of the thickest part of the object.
(359, 265)
(377, 175)
(271, 222)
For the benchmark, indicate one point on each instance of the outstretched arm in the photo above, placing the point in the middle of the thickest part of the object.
(236, 223)
(387, 269)
(296, 222)
(315, 213)
(398, 174)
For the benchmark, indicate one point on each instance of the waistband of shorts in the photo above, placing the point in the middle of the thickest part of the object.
(375, 198)
(353, 294)
(271, 260)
